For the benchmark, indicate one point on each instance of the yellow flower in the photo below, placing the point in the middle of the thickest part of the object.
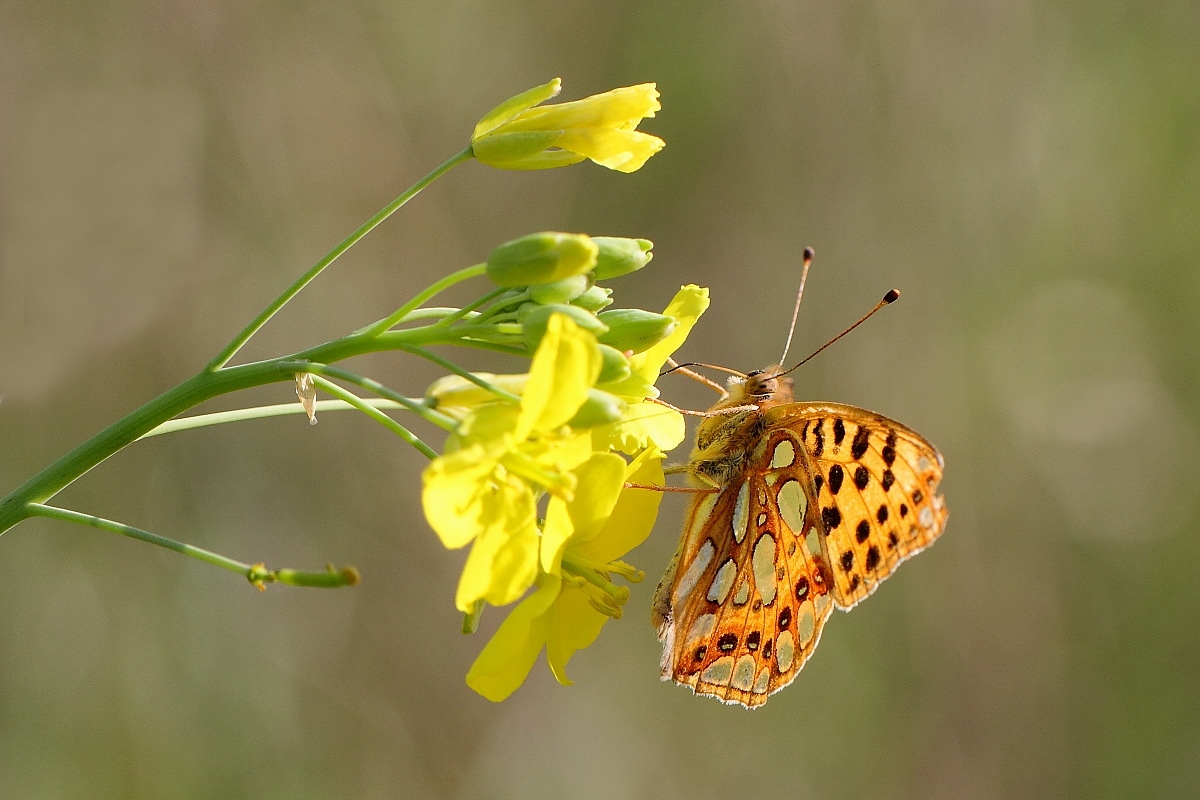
(484, 489)
(516, 135)
(649, 424)
(581, 542)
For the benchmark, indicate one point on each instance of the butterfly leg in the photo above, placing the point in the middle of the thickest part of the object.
(677, 470)
(677, 489)
(710, 413)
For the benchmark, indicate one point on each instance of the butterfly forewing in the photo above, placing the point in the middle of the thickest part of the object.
(875, 484)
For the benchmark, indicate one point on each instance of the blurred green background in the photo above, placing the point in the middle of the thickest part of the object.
(1028, 174)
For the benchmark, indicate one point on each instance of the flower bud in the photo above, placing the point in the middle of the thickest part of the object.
(563, 291)
(619, 256)
(516, 135)
(614, 366)
(600, 408)
(537, 320)
(634, 329)
(541, 258)
(525, 309)
(594, 299)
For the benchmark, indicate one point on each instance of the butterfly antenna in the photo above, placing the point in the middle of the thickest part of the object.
(891, 297)
(701, 364)
(808, 257)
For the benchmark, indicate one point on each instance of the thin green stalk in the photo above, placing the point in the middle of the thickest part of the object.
(438, 313)
(376, 328)
(495, 347)
(261, 412)
(329, 387)
(462, 373)
(324, 370)
(491, 314)
(257, 574)
(233, 347)
(469, 307)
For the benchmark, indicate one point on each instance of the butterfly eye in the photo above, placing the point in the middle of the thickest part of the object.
(761, 384)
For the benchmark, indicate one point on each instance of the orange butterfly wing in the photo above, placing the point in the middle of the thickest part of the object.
(875, 482)
(762, 561)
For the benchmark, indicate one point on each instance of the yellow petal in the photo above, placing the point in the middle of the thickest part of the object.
(572, 625)
(599, 482)
(505, 661)
(556, 531)
(547, 462)
(490, 427)
(622, 107)
(646, 425)
(633, 515)
(503, 560)
(622, 150)
(455, 391)
(453, 485)
(564, 367)
(686, 307)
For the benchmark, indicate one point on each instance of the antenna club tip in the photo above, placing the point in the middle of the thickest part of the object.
(809, 253)
(892, 296)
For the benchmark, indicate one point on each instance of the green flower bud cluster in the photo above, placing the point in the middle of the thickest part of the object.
(557, 273)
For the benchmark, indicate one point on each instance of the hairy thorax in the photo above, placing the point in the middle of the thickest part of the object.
(724, 441)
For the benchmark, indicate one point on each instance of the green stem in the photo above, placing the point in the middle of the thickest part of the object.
(257, 574)
(261, 412)
(439, 313)
(383, 419)
(419, 408)
(400, 313)
(462, 373)
(233, 347)
(470, 307)
(209, 384)
(504, 307)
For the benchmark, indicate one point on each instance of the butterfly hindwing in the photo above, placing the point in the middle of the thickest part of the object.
(743, 606)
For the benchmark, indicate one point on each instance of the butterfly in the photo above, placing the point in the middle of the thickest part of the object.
(808, 506)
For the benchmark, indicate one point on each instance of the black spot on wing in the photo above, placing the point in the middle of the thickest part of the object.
(862, 477)
(836, 474)
(818, 439)
(872, 558)
(831, 517)
(861, 442)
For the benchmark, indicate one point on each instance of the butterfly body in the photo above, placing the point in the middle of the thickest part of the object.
(812, 506)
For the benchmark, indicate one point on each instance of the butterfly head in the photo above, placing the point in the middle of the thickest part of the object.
(766, 387)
